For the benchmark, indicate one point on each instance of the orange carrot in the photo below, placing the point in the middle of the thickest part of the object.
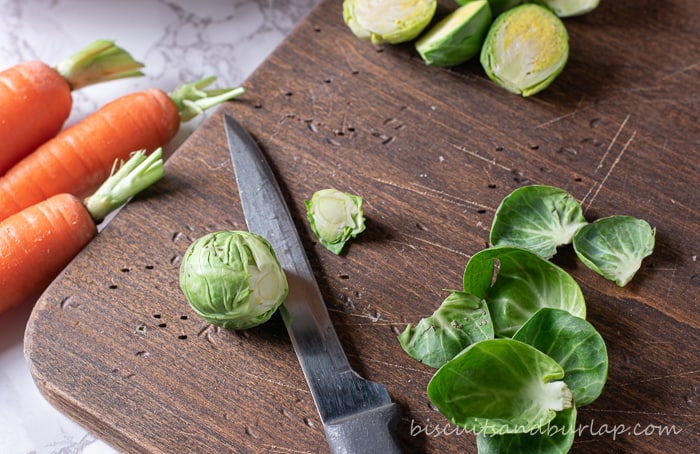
(39, 241)
(80, 157)
(35, 99)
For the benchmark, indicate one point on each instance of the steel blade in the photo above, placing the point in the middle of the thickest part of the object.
(343, 398)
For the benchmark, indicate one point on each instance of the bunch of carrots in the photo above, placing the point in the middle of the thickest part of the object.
(47, 173)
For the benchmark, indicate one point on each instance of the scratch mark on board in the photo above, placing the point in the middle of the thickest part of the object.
(478, 156)
(385, 363)
(426, 191)
(612, 143)
(605, 178)
(562, 117)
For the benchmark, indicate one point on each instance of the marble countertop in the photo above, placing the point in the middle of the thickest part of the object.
(178, 41)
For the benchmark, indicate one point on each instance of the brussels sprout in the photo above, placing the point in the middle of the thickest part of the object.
(615, 246)
(233, 279)
(388, 21)
(335, 217)
(525, 49)
(568, 8)
(497, 6)
(457, 37)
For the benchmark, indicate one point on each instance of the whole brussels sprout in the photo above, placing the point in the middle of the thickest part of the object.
(233, 279)
(388, 21)
(335, 217)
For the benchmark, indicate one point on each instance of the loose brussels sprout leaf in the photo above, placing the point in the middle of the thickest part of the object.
(335, 217)
(569, 8)
(575, 345)
(614, 247)
(461, 320)
(457, 37)
(233, 279)
(525, 49)
(388, 21)
(497, 6)
(556, 437)
(538, 218)
(500, 386)
(524, 282)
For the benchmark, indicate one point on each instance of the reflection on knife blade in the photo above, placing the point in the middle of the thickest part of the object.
(357, 414)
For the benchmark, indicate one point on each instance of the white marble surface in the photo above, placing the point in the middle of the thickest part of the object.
(177, 40)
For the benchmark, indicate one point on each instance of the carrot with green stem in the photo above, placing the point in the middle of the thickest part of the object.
(36, 99)
(39, 241)
(80, 157)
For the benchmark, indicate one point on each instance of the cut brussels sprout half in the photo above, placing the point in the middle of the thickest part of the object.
(500, 386)
(574, 344)
(569, 8)
(335, 217)
(538, 218)
(457, 37)
(525, 49)
(388, 21)
(614, 247)
(497, 6)
(461, 320)
(233, 279)
(516, 283)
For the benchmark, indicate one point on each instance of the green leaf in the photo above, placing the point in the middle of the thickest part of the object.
(615, 246)
(538, 218)
(461, 320)
(516, 283)
(575, 345)
(500, 386)
(556, 437)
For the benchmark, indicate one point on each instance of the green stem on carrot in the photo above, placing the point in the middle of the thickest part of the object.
(98, 62)
(133, 176)
(192, 99)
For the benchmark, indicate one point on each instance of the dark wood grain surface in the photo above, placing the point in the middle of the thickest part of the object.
(114, 344)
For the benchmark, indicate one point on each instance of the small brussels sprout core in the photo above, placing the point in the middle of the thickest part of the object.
(335, 217)
(388, 21)
(233, 279)
(569, 8)
(457, 37)
(525, 49)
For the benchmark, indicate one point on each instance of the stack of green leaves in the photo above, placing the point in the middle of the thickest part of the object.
(514, 354)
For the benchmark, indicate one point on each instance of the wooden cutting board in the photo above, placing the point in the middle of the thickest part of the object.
(114, 344)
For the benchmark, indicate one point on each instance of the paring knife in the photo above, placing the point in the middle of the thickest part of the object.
(358, 415)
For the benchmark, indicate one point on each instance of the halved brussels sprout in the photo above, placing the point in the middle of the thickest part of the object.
(457, 37)
(388, 21)
(335, 217)
(525, 49)
(568, 8)
(233, 279)
(615, 246)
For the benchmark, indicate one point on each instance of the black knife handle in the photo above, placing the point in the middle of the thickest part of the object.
(367, 432)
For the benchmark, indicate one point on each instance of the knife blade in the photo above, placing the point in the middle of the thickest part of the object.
(358, 415)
